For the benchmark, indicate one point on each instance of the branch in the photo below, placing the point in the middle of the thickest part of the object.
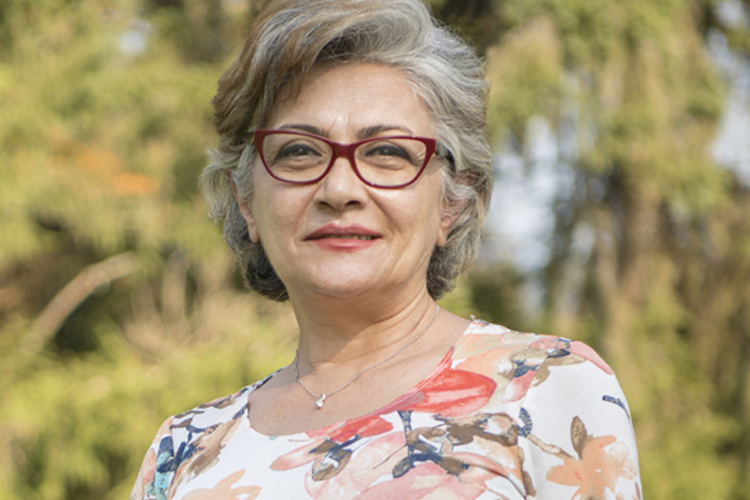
(72, 295)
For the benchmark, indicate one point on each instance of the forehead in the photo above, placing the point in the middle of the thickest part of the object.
(353, 96)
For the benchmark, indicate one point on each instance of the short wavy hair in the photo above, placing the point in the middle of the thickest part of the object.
(287, 39)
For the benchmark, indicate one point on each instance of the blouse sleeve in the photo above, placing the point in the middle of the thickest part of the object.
(576, 432)
(157, 469)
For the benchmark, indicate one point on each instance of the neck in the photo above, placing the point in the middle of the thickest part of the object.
(347, 336)
(322, 396)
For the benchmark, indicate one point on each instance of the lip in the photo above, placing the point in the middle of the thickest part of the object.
(337, 237)
(333, 229)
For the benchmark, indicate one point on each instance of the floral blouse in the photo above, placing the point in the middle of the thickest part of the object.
(505, 415)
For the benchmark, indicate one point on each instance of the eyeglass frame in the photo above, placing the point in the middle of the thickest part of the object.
(338, 150)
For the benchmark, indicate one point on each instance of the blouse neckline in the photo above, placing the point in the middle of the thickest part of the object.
(444, 363)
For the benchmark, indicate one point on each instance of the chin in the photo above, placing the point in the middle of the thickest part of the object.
(342, 290)
(332, 287)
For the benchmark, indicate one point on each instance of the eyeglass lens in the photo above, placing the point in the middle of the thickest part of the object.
(384, 161)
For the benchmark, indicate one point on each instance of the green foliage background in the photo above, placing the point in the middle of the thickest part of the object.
(104, 119)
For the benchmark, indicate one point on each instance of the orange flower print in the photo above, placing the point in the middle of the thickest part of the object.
(601, 462)
(224, 491)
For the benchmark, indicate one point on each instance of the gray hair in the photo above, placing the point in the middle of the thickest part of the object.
(287, 39)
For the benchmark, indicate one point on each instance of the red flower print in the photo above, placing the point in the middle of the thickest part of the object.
(298, 457)
(451, 393)
(558, 348)
(583, 350)
(369, 425)
(430, 481)
(373, 461)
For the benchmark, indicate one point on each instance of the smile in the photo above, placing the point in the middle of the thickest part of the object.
(348, 237)
(334, 231)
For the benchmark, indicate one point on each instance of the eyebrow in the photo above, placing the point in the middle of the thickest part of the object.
(377, 129)
(310, 129)
(364, 133)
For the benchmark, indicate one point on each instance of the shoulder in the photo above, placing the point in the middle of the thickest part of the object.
(182, 437)
(572, 417)
(521, 362)
(196, 424)
(524, 351)
(184, 434)
(214, 412)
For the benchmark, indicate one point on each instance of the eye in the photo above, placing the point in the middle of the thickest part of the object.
(297, 150)
(385, 149)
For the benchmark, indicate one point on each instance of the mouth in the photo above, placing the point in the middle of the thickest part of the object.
(346, 237)
(344, 232)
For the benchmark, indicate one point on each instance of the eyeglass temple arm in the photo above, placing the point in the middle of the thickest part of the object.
(444, 152)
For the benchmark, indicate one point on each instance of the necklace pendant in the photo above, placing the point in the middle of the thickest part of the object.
(319, 403)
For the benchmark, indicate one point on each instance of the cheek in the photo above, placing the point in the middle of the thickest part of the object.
(423, 216)
(278, 213)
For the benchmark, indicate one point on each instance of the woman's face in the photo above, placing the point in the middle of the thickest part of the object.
(339, 237)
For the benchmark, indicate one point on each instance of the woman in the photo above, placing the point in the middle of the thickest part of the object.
(353, 175)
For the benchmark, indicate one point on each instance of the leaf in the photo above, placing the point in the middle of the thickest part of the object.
(579, 436)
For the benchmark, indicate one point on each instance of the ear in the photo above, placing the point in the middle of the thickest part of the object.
(450, 215)
(246, 212)
(452, 209)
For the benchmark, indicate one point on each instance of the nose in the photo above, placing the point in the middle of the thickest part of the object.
(341, 187)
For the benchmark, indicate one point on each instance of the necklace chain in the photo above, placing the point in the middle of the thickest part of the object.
(321, 398)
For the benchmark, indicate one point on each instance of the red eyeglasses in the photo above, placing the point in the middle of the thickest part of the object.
(383, 162)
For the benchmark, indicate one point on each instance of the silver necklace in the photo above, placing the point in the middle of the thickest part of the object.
(321, 398)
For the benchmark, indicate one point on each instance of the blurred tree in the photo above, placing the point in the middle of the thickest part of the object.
(634, 103)
(119, 305)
